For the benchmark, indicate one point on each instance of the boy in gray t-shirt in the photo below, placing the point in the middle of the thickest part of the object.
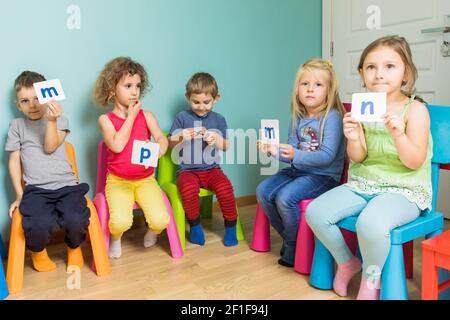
(52, 193)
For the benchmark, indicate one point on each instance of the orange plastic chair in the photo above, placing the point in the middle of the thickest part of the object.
(16, 257)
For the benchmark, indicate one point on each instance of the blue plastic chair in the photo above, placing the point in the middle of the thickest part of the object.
(428, 224)
(3, 286)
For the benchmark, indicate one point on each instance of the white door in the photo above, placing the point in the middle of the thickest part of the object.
(350, 25)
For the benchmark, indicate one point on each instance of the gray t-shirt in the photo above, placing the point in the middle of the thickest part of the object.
(47, 171)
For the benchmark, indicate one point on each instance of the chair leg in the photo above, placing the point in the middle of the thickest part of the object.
(103, 216)
(172, 232)
(430, 281)
(3, 286)
(101, 260)
(261, 232)
(239, 230)
(206, 206)
(171, 191)
(3, 252)
(393, 279)
(408, 255)
(351, 240)
(304, 251)
(322, 271)
(14, 270)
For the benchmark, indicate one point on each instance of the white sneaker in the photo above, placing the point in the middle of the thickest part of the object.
(150, 238)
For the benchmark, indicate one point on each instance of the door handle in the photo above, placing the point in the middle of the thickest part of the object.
(445, 46)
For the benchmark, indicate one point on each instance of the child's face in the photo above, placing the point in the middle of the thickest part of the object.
(313, 89)
(28, 103)
(202, 103)
(383, 71)
(128, 90)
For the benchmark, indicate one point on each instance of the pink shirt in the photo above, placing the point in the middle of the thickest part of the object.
(119, 164)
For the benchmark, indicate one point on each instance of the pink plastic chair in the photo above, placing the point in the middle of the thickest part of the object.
(304, 250)
(103, 210)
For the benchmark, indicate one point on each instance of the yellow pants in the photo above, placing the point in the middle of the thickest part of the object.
(121, 194)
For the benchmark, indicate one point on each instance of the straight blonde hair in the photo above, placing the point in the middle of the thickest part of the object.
(332, 101)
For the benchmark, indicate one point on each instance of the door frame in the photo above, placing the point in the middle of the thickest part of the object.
(327, 28)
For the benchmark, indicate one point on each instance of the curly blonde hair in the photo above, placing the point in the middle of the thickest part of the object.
(110, 76)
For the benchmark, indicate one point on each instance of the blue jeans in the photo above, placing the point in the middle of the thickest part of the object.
(280, 194)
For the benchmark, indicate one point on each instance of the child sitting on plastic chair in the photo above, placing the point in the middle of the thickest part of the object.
(200, 133)
(122, 83)
(315, 152)
(52, 193)
(390, 172)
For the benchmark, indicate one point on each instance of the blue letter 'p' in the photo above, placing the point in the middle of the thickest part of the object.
(145, 154)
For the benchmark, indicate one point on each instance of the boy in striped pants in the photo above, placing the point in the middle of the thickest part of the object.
(197, 135)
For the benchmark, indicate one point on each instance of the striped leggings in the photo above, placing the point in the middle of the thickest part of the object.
(189, 184)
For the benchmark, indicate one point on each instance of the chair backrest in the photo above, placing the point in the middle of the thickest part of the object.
(70, 150)
(440, 131)
(102, 159)
(344, 177)
(166, 171)
(347, 106)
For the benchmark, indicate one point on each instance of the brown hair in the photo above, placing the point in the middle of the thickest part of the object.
(26, 80)
(332, 101)
(110, 76)
(202, 82)
(401, 46)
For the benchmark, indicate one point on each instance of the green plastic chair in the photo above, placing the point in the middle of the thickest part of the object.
(166, 176)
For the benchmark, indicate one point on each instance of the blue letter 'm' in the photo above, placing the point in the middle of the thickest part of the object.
(269, 132)
(49, 91)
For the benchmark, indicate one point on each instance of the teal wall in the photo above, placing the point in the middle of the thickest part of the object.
(252, 47)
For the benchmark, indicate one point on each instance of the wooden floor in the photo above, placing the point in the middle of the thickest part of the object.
(210, 272)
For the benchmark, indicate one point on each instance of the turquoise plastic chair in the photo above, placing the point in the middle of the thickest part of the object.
(166, 177)
(3, 286)
(429, 224)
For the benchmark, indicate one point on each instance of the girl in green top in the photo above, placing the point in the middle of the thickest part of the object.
(390, 171)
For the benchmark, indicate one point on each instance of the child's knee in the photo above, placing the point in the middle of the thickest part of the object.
(120, 224)
(160, 223)
(37, 234)
(37, 239)
(314, 217)
(261, 193)
(371, 231)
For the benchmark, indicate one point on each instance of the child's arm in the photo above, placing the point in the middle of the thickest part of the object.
(117, 140)
(218, 136)
(53, 137)
(15, 172)
(356, 140)
(328, 149)
(178, 133)
(412, 145)
(157, 133)
(213, 138)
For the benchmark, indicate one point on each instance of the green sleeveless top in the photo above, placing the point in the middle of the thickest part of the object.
(382, 171)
